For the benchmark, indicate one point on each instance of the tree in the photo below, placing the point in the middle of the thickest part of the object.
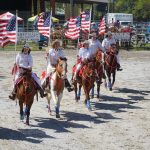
(139, 8)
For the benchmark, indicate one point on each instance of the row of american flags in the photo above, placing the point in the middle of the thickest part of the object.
(76, 25)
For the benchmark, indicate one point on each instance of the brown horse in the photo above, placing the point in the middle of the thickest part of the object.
(57, 83)
(110, 68)
(99, 68)
(26, 91)
(86, 80)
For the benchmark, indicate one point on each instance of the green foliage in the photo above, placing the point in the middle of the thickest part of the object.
(139, 8)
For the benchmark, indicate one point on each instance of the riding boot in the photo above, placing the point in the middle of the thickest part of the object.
(119, 67)
(68, 85)
(42, 94)
(13, 94)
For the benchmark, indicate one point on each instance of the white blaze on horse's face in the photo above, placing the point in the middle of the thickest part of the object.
(61, 67)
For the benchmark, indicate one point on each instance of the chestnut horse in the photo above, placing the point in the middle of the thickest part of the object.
(26, 91)
(110, 66)
(99, 69)
(57, 83)
(86, 80)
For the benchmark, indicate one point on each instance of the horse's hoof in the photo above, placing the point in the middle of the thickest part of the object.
(92, 96)
(57, 116)
(97, 96)
(88, 105)
(27, 123)
(110, 89)
(106, 85)
(22, 117)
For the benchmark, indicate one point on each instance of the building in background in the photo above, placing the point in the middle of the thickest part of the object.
(61, 9)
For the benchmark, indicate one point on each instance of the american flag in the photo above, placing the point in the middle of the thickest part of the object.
(8, 31)
(73, 31)
(44, 22)
(85, 21)
(102, 26)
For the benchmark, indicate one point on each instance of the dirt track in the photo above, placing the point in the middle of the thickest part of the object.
(120, 120)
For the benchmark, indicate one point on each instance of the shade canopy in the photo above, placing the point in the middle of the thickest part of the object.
(31, 19)
(8, 15)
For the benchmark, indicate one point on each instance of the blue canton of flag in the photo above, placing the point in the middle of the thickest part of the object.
(87, 17)
(46, 17)
(11, 26)
(78, 23)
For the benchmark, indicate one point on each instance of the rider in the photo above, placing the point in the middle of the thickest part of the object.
(106, 43)
(54, 54)
(94, 44)
(24, 62)
(83, 55)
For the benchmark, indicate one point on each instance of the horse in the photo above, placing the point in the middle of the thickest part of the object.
(86, 80)
(26, 90)
(110, 66)
(56, 86)
(99, 68)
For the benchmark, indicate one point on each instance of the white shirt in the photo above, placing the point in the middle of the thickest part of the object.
(107, 43)
(24, 60)
(84, 53)
(95, 45)
(54, 55)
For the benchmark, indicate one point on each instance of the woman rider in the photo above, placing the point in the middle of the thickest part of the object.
(24, 61)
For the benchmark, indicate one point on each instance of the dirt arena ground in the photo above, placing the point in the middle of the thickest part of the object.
(120, 119)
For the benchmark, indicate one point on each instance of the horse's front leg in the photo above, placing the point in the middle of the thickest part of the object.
(109, 81)
(48, 97)
(75, 91)
(27, 111)
(98, 88)
(114, 75)
(56, 101)
(79, 92)
(21, 110)
(87, 97)
(92, 92)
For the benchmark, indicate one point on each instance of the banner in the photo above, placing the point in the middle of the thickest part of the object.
(28, 36)
(121, 36)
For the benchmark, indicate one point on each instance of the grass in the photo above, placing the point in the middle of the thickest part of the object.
(11, 47)
(34, 47)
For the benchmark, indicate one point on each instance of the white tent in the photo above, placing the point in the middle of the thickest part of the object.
(8, 15)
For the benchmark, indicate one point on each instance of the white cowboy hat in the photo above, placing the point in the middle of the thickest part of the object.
(26, 45)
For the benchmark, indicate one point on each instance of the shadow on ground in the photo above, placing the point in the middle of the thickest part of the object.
(71, 121)
(131, 91)
(29, 135)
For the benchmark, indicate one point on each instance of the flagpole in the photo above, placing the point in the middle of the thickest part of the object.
(50, 27)
(16, 33)
(90, 23)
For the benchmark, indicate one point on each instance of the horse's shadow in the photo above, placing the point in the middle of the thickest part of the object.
(117, 107)
(57, 125)
(132, 91)
(29, 135)
(72, 121)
